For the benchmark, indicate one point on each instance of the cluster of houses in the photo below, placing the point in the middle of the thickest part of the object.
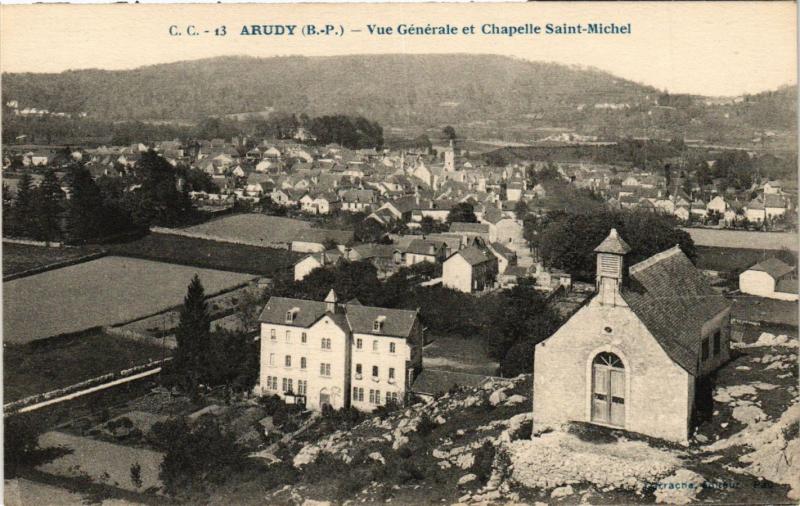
(763, 202)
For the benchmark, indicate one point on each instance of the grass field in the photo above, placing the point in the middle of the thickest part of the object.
(207, 254)
(30, 369)
(252, 227)
(730, 259)
(100, 292)
(742, 239)
(458, 355)
(21, 257)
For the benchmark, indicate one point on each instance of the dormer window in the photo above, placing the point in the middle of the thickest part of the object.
(377, 325)
(291, 314)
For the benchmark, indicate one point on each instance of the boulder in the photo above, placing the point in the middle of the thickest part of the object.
(560, 492)
(377, 457)
(515, 399)
(399, 442)
(680, 488)
(467, 478)
(497, 397)
(465, 460)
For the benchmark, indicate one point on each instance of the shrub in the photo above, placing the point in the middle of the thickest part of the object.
(426, 425)
(484, 458)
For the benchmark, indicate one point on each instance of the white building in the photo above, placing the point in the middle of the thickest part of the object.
(327, 353)
(771, 278)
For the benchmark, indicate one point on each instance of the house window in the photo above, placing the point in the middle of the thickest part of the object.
(285, 385)
(287, 361)
(374, 371)
(326, 343)
(272, 334)
(303, 337)
(302, 362)
(358, 394)
(391, 373)
(325, 369)
(392, 348)
(717, 342)
(302, 386)
(288, 336)
(269, 382)
(391, 397)
(359, 344)
(375, 345)
(358, 370)
(271, 359)
(705, 348)
(374, 396)
(272, 382)
(289, 316)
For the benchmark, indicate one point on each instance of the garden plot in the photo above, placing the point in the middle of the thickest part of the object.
(101, 462)
(101, 292)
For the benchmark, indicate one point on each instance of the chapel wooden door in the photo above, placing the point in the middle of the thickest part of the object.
(608, 390)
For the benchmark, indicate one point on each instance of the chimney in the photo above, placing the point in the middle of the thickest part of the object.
(331, 302)
(610, 267)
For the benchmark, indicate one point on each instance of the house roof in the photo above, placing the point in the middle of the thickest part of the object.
(475, 255)
(613, 244)
(425, 247)
(673, 301)
(775, 201)
(774, 267)
(502, 250)
(353, 317)
(475, 228)
(433, 381)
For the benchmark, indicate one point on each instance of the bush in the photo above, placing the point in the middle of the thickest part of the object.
(426, 425)
(20, 443)
(484, 459)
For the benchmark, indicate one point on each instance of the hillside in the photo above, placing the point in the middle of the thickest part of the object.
(389, 88)
(482, 95)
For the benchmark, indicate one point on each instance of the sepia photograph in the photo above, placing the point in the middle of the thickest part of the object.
(330, 254)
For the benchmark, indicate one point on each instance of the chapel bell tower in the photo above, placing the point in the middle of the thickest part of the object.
(610, 267)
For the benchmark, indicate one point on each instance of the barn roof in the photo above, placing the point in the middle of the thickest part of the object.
(774, 267)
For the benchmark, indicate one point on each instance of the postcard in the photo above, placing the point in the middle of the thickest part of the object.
(318, 254)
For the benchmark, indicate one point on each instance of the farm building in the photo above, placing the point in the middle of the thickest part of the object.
(638, 355)
(771, 278)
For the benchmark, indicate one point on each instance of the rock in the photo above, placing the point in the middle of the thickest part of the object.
(377, 457)
(440, 420)
(400, 441)
(748, 414)
(497, 397)
(680, 488)
(515, 399)
(742, 368)
(306, 455)
(559, 492)
(724, 425)
(439, 454)
(701, 438)
(465, 498)
(465, 460)
(466, 479)
(312, 502)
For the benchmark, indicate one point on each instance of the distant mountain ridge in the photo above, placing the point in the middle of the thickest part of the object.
(418, 91)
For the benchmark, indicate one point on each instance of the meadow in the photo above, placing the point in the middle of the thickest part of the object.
(101, 292)
(251, 228)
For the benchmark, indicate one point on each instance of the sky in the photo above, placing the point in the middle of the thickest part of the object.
(706, 48)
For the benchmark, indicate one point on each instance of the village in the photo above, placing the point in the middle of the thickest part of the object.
(355, 305)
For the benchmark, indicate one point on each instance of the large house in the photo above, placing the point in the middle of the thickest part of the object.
(638, 355)
(319, 353)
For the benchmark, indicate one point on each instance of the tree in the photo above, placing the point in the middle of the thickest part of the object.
(368, 230)
(193, 337)
(136, 475)
(568, 240)
(158, 201)
(463, 212)
(427, 225)
(449, 133)
(521, 209)
(20, 443)
(48, 208)
(85, 209)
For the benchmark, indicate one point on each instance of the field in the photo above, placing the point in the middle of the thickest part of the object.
(100, 292)
(730, 259)
(458, 355)
(21, 257)
(742, 239)
(254, 228)
(32, 369)
(207, 254)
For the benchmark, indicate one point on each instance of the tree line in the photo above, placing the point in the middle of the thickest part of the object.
(78, 208)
